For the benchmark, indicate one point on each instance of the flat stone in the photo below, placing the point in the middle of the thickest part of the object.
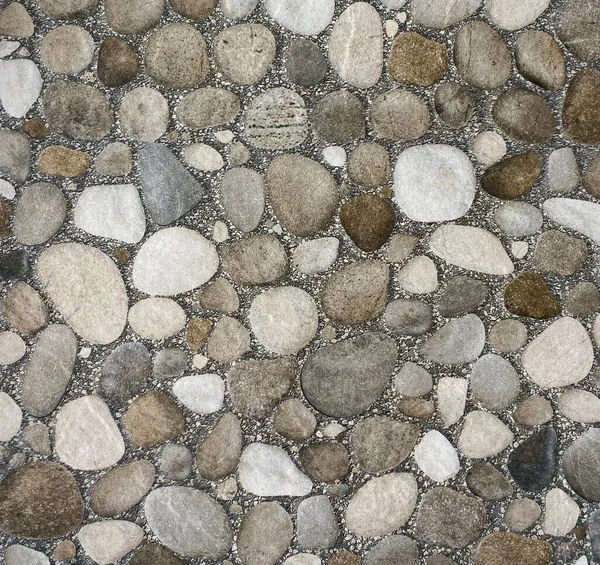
(518, 219)
(243, 197)
(392, 550)
(20, 86)
(454, 104)
(483, 435)
(533, 411)
(244, 52)
(193, 264)
(481, 56)
(21, 555)
(24, 309)
(189, 522)
(344, 379)
(40, 213)
(459, 341)
(176, 56)
(325, 462)
(561, 514)
(49, 370)
(368, 220)
(255, 260)
(133, 17)
(489, 147)
(305, 64)
(487, 482)
(503, 548)
(591, 177)
(316, 256)
(40, 500)
(303, 194)
(579, 406)
(144, 114)
(156, 318)
(63, 162)
(471, 248)
(356, 293)
(7, 190)
(267, 470)
(382, 505)
(220, 296)
(494, 382)
(339, 117)
(265, 534)
(449, 518)
(436, 457)
(86, 287)
(408, 317)
(514, 176)
(563, 171)
(561, 355)
(12, 348)
(310, 18)
(463, 295)
(194, 10)
(218, 455)
(369, 165)
(125, 372)
(153, 418)
(578, 215)
(521, 514)
(198, 331)
(122, 488)
(416, 60)
(452, 398)
(228, 341)
(524, 116)
(559, 254)
(152, 553)
(317, 524)
(293, 420)
(257, 386)
(15, 21)
(67, 49)
(540, 60)
(176, 462)
(533, 463)
(15, 155)
(202, 157)
(580, 115)
(579, 464)
(577, 28)
(202, 394)
(169, 362)
(528, 295)
(413, 381)
(379, 443)
(10, 418)
(442, 14)
(114, 160)
(118, 63)
(399, 115)
(78, 110)
(416, 408)
(276, 119)
(418, 276)
(208, 107)
(583, 299)
(237, 9)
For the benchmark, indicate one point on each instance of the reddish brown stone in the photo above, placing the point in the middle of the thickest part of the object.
(121, 255)
(36, 128)
(63, 162)
(581, 110)
(198, 331)
(529, 296)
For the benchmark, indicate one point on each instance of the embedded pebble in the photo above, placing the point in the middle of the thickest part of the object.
(124, 536)
(578, 215)
(583, 299)
(513, 14)
(518, 219)
(540, 60)
(67, 49)
(578, 463)
(369, 164)
(25, 309)
(316, 523)
(218, 455)
(533, 411)
(228, 341)
(514, 176)
(21, 555)
(63, 162)
(443, 14)
(293, 420)
(508, 335)
(20, 86)
(416, 60)
(591, 176)
(578, 30)
(309, 18)
(452, 398)
(156, 318)
(12, 348)
(454, 104)
(202, 394)
(418, 276)
(305, 63)
(7, 190)
(579, 406)
(169, 362)
(243, 197)
(489, 147)
(175, 462)
(207, 107)
(393, 549)
(114, 160)
(15, 21)
(316, 256)
(558, 253)
(459, 341)
(408, 317)
(463, 295)
(202, 157)
(125, 372)
(487, 482)
(580, 118)
(521, 514)
(533, 463)
(339, 117)
(194, 10)
(15, 155)
(40, 213)
(368, 220)
(483, 435)
(561, 513)
(10, 419)
(220, 296)
(413, 380)
(399, 115)
(118, 64)
(503, 548)
(494, 382)
(528, 295)
(436, 457)
(144, 114)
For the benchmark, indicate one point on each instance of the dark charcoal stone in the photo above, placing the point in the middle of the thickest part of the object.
(533, 463)
(14, 265)
(368, 220)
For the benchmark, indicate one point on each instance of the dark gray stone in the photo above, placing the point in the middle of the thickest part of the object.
(175, 462)
(339, 117)
(393, 550)
(584, 299)
(169, 362)
(15, 155)
(484, 480)
(305, 64)
(533, 463)
(463, 295)
(15, 265)
(125, 372)
(408, 317)
(454, 104)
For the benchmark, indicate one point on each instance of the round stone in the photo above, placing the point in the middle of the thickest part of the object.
(10, 417)
(528, 295)
(483, 435)
(309, 18)
(202, 157)
(489, 147)
(243, 197)
(369, 165)
(577, 28)
(518, 219)
(316, 255)
(540, 59)
(413, 381)
(144, 114)
(218, 455)
(416, 60)
(12, 348)
(293, 420)
(176, 56)
(15, 21)
(581, 113)
(208, 107)
(124, 536)
(508, 335)
(579, 406)
(334, 156)
(67, 49)
(117, 62)
(339, 117)
(324, 461)
(20, 87)
(305, 64)
(134, 16)
(237, 9)
(244, 52)
(533, 411)
(115, 160)
(418, 276)
(156, 318)
(434, 183)
(521, 514)
(494, 382)
(454, 104)
(436, 457)
(399, 115)
(284, 319)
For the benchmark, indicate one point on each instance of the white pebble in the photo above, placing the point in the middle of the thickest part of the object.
(489, 147)
(224, 136)
(202, 394)
(220, 232)
(519, 249)
(7, 190)
(202, 157)
(333, 430)
(436, 457)
(335, 156)
(8, 47)
(199, 361)
(452, 398)
(85, 352)
(12, 348)
(391, 28)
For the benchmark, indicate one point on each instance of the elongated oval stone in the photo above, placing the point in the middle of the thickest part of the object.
(579, 215)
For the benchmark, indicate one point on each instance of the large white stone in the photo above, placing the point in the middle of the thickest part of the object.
(267, 470)
(515, 14)
(434, 183)
(20, 86)
(483, 435)
(436, 457)
(579, 215)
(561, 355)
(10, 417)
(108, 541)
(561, 513)
(471, 248)
(202, 394)
(86, 287)
(111, 210)
(356, 45)
(86, 435)
(383, 505)
(305, 17)
(156, 318)
(173, 261)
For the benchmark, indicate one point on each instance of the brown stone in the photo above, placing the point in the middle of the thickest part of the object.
(344, 558)
(529, 296)
(559, 254)
(581, 110)
(414, 59)
(540, 59)
(198, 331)
(219, 454)
(121, 255)
(153, 553)
(63, 162)
(5, 211)
(40, 500)
(117, 62)
(25, 309)
(513, 176)
(369, 165)
(324, 462)
(36, 128)
(533, 411)
(194, 9)
(503, 548)
(416, 408)
(591, 177)
(582, 300)
(368, 220)
(153, 418)
(64, 551)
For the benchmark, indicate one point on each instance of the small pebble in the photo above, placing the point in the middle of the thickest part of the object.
(489, 147)
(521, 514)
